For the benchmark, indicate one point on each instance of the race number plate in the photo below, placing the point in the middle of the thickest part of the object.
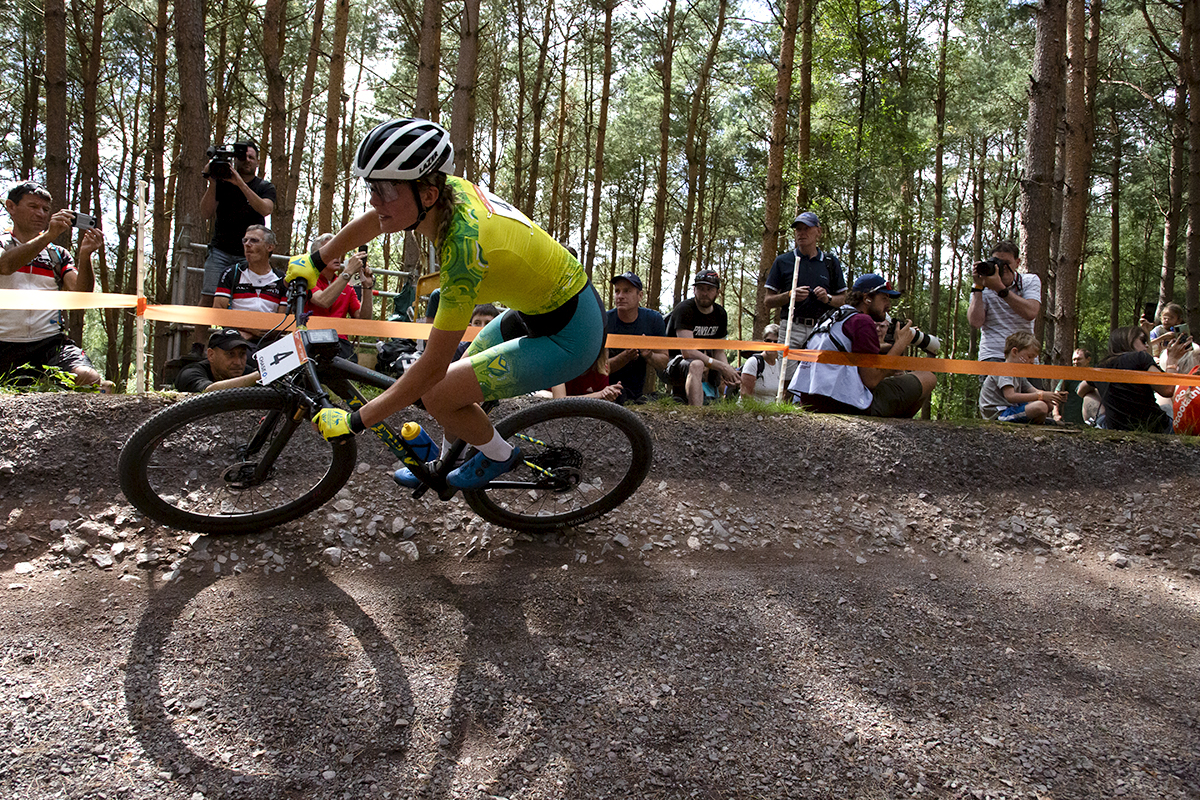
(278, 359)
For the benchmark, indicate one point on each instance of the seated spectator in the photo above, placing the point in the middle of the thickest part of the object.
(859, 327)
(482, 315)
(1131, 406)
(333, 296)
(593, 383)
(30, 261)
(628, 317)
(1076, 409)
(253, 285)
(699, 317)
(226, 365)
(760, 373)
(1006, 399)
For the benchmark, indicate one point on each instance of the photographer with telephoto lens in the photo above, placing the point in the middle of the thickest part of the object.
(1003, 300)
(858, 327)
(237, 198)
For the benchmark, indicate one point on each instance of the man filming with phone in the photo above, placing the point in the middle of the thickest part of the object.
(31, 261)
(237, 198)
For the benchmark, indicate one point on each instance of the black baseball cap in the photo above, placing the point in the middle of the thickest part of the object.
(872, 283)
(228, 339)
(708, 277)
(631, 277)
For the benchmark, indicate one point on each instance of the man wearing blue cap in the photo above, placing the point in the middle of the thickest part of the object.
(820, 282)
(858, 327)
(627, 317)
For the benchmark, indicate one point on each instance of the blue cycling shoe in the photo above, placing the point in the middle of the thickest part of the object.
(405, 477)
(480, 470)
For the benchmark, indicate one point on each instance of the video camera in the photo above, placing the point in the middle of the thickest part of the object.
(988, 268)
(220, 159)
(926, 341)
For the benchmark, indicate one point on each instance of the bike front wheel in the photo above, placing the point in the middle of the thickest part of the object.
(581, 459)
(230, 462)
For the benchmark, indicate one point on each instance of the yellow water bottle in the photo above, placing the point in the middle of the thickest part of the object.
(425, 448)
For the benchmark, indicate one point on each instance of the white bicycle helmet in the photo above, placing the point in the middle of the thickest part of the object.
(404, 149)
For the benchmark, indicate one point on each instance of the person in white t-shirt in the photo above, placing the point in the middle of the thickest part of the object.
(1004, 300)
(760, 373)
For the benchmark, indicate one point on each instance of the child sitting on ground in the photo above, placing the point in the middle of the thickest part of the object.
(1016, 399)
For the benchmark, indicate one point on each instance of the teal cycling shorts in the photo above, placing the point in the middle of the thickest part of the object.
(510, 367)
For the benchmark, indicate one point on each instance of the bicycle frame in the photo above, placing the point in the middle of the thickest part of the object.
(337, 373)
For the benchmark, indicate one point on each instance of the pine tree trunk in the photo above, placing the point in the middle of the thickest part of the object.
(161, 232)
(541, 92)
(284, 216)
(803, 143)
(1037, 184)
(56, 104)
(1179, 137)
(694, 130)
(659, 232)
(1076, 186)
(429, 59)
(1114, 308)
(330, 164)
(773, 199)
(274, 33)
(32, 51)
(601, 129)
(1192, 26)
(462, 109)
(192, 137)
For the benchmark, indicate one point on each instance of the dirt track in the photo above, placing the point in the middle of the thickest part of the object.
(909, 624)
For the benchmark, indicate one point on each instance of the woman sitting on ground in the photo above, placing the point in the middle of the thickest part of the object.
(1131, 406)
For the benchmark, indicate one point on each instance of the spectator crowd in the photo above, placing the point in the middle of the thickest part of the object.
(806, 287)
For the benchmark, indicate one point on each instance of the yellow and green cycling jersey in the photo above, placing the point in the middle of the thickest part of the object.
(492, 253)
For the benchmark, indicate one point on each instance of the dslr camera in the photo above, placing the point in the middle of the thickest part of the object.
(986, 269)
(926, 341)
(220, 159)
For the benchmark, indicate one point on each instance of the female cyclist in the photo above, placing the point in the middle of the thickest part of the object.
(488, 252)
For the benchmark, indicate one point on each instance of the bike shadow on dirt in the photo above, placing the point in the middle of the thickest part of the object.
(229, 706)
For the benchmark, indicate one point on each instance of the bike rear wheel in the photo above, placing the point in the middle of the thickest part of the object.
(231, 462)
(581, 459)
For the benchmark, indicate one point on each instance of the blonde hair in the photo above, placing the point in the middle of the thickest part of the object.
(1020, 341)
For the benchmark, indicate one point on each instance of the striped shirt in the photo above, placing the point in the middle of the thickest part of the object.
(33, 325)
(1000, 320)
(252, 292)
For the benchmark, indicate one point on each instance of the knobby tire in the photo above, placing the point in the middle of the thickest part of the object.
(185, 466)
(600, 449)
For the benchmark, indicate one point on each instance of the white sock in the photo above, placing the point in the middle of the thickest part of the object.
(497, 449)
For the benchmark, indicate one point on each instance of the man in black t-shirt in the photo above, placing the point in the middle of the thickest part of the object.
(699, 317)
(627, 317)
(237, 202)
(227, 365)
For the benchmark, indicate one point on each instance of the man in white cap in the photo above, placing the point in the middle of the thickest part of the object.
(820, 282)
(858, 327)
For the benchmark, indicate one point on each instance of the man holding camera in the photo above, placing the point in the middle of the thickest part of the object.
(1003, 300)
(31, 261)
(820, 282)
(859, 326)
(238, 198)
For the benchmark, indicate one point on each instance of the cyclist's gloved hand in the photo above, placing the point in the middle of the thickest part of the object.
(333, 423)
(301, 266)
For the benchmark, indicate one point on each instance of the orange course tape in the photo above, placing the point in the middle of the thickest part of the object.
(66, 301)
(257, 320)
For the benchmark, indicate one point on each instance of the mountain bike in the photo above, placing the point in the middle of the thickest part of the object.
(238, 461)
